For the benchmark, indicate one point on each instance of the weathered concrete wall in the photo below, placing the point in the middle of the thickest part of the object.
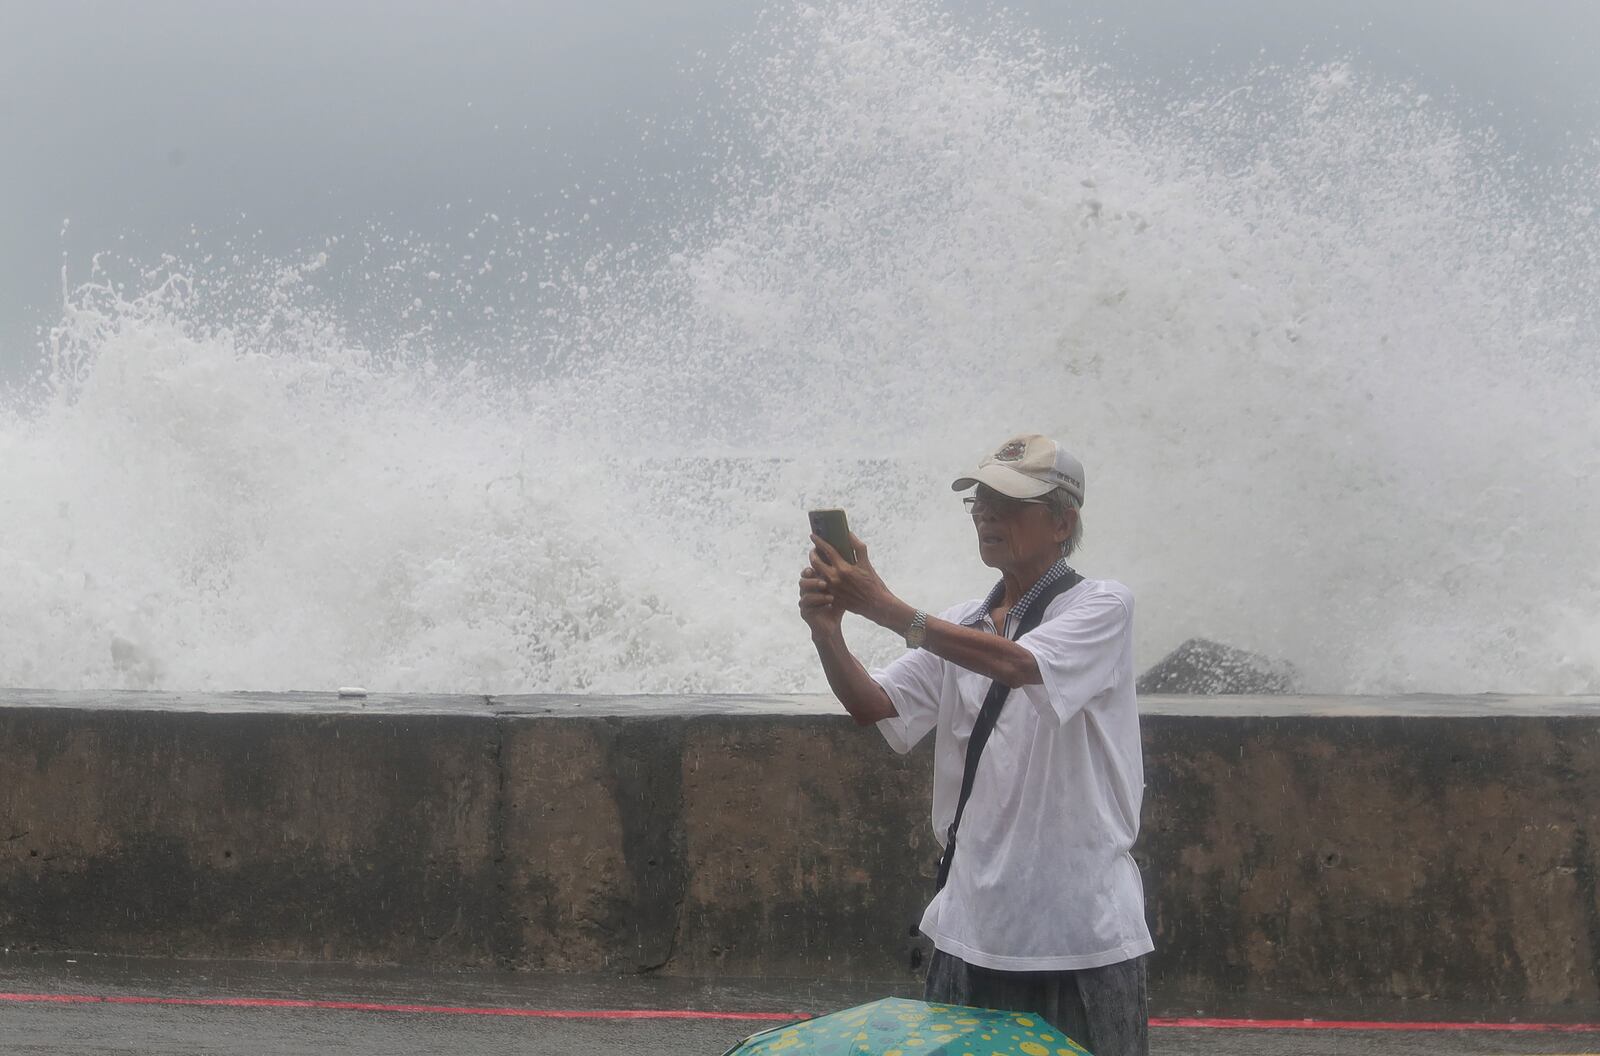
(716, 844)
(259, 835)
(1415, 848)
(1383, 856)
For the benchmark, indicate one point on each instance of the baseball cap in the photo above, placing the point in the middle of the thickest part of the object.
(1027, 466)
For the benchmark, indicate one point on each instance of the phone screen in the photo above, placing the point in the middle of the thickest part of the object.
(832, 526)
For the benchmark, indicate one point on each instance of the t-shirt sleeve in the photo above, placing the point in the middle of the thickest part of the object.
(1078, 652)
(913, 683)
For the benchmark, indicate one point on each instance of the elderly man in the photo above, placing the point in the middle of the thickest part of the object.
(1040, 907)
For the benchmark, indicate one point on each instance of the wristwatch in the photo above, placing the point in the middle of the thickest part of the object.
(917, 631)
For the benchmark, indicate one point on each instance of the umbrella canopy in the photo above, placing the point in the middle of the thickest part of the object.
(898, 1027)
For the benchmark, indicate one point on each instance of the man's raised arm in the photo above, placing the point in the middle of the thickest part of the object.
(861, 696)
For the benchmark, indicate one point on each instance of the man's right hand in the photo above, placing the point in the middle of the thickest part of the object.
(816, 605)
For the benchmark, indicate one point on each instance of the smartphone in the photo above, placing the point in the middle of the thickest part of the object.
(832, 526)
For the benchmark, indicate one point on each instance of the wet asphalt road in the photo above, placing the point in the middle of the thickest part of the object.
(213, 1033)
(72, 1021)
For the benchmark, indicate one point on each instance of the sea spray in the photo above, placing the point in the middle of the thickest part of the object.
(1328, 355)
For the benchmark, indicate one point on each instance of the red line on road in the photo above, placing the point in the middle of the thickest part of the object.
(1189, 1023)
(1361, 1024)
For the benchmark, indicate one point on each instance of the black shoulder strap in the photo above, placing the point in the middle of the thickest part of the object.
(991, 714)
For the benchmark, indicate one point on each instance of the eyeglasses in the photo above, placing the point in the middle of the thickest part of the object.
(1000, 505)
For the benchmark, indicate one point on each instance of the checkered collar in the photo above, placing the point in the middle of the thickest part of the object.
(982, 617)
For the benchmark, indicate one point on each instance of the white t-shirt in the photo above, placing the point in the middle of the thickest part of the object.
(1043, 878)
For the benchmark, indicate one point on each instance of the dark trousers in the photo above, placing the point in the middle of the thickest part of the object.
(1106, 1010)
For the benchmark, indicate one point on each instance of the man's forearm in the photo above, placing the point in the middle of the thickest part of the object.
(987, 654)
(860, 694)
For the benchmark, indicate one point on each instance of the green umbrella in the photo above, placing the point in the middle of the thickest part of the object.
(897, 1027)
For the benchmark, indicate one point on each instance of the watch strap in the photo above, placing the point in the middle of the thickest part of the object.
(918, 631)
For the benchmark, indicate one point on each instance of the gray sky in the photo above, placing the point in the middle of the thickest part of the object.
(138, 120)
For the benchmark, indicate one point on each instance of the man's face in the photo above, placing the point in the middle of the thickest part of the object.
(1016, 533)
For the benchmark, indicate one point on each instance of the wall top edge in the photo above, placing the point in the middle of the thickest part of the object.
(578, 706)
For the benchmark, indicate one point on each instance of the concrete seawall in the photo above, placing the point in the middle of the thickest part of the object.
(1417, 848)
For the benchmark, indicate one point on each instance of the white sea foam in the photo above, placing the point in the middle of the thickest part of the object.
(1329, 360)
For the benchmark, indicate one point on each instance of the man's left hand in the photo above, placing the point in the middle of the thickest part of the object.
(855, 587)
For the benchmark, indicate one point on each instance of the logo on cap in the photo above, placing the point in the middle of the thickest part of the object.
(1012, 452)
